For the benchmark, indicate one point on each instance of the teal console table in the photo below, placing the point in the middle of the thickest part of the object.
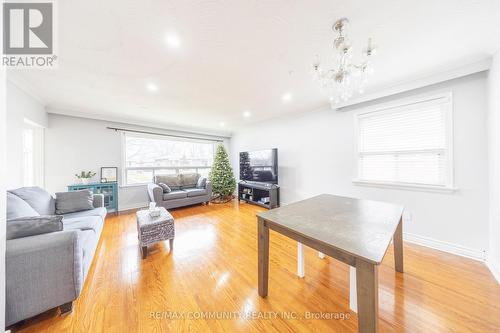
(110, 191)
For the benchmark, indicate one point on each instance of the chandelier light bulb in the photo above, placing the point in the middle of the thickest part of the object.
(371, 49)
(316, 63)
(345, 47)
(339, 42)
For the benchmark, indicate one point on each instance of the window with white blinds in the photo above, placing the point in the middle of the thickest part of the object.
(409, 144)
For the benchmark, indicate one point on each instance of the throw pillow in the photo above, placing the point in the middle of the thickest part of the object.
(17, 207)
(202, 182)
(189, 180)
(33, 225)
(75, 201)
(173, 181)
(165, 188)
(38, 198)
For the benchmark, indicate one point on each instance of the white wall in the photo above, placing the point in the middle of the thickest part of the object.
(20, 106)
(74, 144)
(316, 155)
(16, 105)
(494, 166)
(3, 210)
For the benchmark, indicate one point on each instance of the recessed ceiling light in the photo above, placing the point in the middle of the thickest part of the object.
(287, 97)
(222, 124)
(173, 41)
(152, 87)
(247, 114)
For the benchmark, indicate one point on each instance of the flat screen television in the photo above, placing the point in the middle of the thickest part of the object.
(259, 166)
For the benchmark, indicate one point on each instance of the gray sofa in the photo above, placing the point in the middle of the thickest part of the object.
(48, 270)
(186, 189)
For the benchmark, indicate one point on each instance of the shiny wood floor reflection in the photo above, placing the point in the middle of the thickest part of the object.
(213, 267)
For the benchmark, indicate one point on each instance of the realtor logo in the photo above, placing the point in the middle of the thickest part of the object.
(28, 29)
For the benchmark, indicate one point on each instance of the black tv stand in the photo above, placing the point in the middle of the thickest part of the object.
(262, 194)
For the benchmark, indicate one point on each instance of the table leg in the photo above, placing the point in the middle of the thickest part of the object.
(144, 252)
(367, 290)
(397, 239)
(171, 243)
(321, 255)
(263, 245)
(300, 260)
(353, 297)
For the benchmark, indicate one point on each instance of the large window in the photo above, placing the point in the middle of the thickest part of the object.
(33, 154)
(408, 144)
(147, 156)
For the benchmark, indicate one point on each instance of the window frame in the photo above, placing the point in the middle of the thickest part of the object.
(123, 181)
(37, 156)
(390, 107)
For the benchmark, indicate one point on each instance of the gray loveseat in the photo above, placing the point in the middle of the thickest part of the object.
(48, 270)
(185, 189)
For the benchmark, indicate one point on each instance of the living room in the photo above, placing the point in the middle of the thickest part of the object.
(264, 166)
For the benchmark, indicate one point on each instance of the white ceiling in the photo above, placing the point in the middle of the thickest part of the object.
(238, 55)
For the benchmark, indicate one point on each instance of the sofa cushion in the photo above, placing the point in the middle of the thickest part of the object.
(100, 211)
(195, 192)
(75, 201)
(39, 199)
(189, 180)
(82, 223)
(17, 207)
(202, 182)
(88, 240)
(165, 187)
(33, 225)
(175, 195)
(173, 181)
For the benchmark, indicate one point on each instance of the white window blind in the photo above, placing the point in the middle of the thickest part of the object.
(407, 144)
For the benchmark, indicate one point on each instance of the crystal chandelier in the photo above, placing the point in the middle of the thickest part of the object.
(346, 78)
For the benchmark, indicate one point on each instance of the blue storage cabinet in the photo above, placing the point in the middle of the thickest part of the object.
(110, 191)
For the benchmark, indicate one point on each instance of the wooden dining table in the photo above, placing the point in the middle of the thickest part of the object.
(355, 231)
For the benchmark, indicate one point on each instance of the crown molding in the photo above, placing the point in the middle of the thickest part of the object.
(393, 89)
(16, 79)
(135, 122)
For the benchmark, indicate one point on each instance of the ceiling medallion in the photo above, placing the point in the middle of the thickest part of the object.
(346, 78)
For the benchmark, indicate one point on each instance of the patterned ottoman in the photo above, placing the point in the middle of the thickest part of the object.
(152, 230)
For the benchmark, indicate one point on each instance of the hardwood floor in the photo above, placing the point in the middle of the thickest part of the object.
(213, 269)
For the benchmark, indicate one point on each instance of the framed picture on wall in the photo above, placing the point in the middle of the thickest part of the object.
(109, 174)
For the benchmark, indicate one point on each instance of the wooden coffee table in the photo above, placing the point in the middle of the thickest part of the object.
(356, 232)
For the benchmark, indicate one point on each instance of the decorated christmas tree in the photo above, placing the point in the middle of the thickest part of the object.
(221, 176)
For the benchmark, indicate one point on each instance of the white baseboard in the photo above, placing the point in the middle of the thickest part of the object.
(494, 269)
(408, 237)
(445, 246)
(121, 208)
(442, 246)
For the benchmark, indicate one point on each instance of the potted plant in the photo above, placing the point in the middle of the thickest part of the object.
(222, 178)
(85, 176)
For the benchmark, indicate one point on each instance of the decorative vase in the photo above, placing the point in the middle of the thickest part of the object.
(84, 181)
